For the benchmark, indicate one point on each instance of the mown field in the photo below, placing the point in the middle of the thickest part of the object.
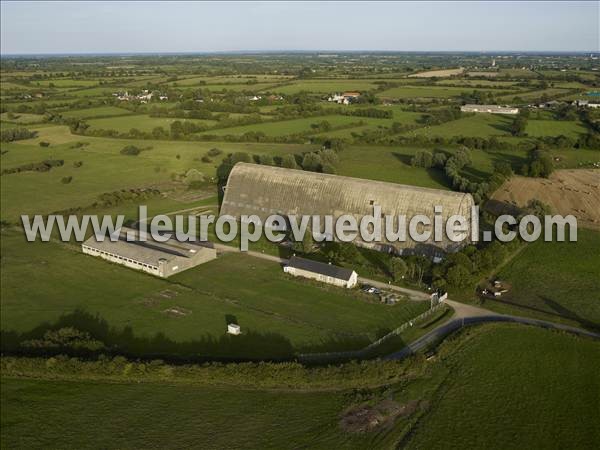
(556, 280)
(141, 122)
(22, 119)
(104, 169)
(325, 86)
(101, 111)
(572, 129)
(515, 387)
(478, 125)
(459, 400)
(428, 92)
(278, 314)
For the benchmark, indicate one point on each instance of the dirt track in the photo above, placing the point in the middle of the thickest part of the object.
(574, 192)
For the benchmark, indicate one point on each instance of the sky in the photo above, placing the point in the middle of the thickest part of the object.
(130, 27)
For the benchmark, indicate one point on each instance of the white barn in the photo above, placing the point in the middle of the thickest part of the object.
(490, 109)
(161, 259)
(326, 273)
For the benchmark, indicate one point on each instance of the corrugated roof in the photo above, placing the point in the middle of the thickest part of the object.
(147, 252)
(267, 190)
(322, 268)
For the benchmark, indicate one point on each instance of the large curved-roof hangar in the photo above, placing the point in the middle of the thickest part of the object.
(267, 190)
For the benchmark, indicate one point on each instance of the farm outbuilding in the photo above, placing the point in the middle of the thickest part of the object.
(234, 328)
(491, 109)
(162, 259)
(326, 273)
(267, 190)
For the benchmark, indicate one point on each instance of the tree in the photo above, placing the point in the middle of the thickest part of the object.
(538, 208)
(398, 268)
(518, 126)
(289, 162)
(422, 159)
(328, 168)
(439, 160)
(458, 276)
(311, 161)
(329, 156)
(503, 168)
(305, 245)
(266, 160)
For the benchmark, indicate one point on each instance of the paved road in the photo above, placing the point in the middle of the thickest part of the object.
(468, 315)
(464, 314)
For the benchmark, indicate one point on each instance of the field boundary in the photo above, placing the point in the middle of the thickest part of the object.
(364, 352)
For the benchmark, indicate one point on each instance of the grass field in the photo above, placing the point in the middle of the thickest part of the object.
(231, 79)
(104, 169)
(565, 285)
(97, 91)
(22, 118)
(66, 83)
(425, 92)
(294, 126)
(532, 95)
(388, 164)
(141, 122)
(516, 387)
(198, 417)
(571, 129)
(278, 314)
(470, 83)
(478, 125)
(101, 111)
(464, 401)
(326, 86)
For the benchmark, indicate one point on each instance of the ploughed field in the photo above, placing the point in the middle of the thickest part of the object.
(575, 192)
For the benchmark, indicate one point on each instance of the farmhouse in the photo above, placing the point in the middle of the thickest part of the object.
(491, 109)
(161, 259)
(345, 99)
(326, 273)
(267, 190)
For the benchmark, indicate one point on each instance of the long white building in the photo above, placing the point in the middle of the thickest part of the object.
(161, 259)
(326, 273)
(490, 109)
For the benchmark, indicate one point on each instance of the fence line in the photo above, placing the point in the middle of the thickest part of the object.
(362, 353)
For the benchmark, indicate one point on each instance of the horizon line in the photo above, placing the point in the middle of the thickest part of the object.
(304, 51)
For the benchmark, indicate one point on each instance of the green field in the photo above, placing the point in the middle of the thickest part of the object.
(278, 314)
(294, 126)
(555, 128)
(463, 401)
(564, 286)
(231, 79)
(67, 83)
(478, 125)
(22, 118)
(101, 111)
(326, 86)
(516, 387)
(141, 122)
(533, 95)
(197, 417)
(104, 169)
(427, 92)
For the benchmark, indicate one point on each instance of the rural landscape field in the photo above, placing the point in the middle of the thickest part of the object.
(303, 343)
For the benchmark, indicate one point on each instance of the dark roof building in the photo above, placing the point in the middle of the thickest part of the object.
(327, 273)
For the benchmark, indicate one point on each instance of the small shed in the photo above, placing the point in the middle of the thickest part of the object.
(234, 329)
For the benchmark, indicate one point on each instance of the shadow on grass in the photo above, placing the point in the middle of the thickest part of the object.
(554, 309)
(249, 346)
